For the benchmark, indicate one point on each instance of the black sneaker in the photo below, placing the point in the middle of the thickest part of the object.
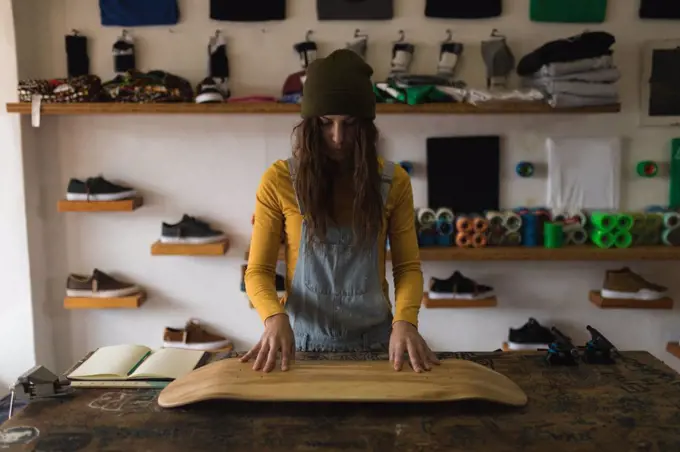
(458, 287)
(212, 90)
(531, 336)
(190, 230)
(280, 283)
(97, 189)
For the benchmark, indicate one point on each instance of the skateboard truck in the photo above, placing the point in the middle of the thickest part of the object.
(598, 349)
(38, 383)
(561, 351)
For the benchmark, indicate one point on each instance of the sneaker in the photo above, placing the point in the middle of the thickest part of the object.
(458, 287)
(531, 336)
(624, 284)
(280, 281)
(212, 90)
(195, 337)
(97, 189)
(190, 230)
(98, 285)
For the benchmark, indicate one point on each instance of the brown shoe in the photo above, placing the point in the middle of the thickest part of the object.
(194, 337)
(99, 285)
(623, 284)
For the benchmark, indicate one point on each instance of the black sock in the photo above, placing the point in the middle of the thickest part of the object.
(77, 60)
(402, 56)
(124, 58)
(307, 51)
(449, 54)
(219, 63)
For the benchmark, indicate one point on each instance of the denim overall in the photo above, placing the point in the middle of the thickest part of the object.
(336, 302)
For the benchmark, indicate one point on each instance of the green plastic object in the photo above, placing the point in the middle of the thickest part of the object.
(553, 235)
(647, 168)
(603, 221)
(624, 221)
(623, 239)
(674, 176)
(602, 239)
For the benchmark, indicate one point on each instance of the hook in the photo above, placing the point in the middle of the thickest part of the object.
(359, 35)
(496, 34)
(125, 34)
(218, 32)
(449, 35)
(75, 32)
(307, 35)
(402, 36)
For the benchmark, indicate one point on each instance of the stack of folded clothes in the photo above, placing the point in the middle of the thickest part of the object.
(575, 72)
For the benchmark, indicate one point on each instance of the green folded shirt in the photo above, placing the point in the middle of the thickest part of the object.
(569, 11)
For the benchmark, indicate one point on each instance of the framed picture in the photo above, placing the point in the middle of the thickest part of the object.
(660, 91)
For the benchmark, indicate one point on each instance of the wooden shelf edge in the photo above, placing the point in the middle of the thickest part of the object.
(609, 303)
(674, 349)
(522, 253)
(502, 107)
(123, 205)
(182, 249)
(130, 302)
(458, 304)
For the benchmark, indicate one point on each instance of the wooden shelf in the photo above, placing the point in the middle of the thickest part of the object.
(110, 108)
(673, 348)
(610, 303)
(124, 205)
(182, 249)
(131, 302)
(523, 253)
(452, 303)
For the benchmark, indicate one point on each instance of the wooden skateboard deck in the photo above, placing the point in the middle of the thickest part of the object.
(336, 381)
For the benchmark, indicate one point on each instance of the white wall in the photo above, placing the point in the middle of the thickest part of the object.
(210, 166)
(17, 350)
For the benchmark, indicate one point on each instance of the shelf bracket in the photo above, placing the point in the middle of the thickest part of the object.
(36, 104)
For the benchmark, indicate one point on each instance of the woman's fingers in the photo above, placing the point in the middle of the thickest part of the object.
(422, 355)
(432, 357)
(252, 352)
(398, 356)
(261, 356)
(271, 356)
(414, 356)
(286, 352)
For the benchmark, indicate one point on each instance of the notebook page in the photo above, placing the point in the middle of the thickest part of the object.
(168, 363)
(112, 362)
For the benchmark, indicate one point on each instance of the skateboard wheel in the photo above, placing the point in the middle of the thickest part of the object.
(525, 169)
(647, 168)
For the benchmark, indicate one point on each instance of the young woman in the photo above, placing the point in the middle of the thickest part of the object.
(337, 203)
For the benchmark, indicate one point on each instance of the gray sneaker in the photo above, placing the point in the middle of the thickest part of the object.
(99, 285)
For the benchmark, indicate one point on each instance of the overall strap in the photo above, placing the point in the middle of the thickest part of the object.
(386, 176)
(292, 170)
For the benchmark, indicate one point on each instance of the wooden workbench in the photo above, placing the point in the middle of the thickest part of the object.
(633, 405)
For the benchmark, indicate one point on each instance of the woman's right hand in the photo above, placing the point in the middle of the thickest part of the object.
(277, 337)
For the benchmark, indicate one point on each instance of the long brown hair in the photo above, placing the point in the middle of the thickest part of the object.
(316, 172)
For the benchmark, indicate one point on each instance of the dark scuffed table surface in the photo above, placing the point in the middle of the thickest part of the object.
(633, 405)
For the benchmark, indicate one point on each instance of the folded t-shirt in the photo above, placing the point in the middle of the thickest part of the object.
(659, 9)
(463, 9)
(568, 11)
(138, 13)
(247, 11)
(354, 9)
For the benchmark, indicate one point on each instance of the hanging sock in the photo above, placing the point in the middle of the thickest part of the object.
(359, 46)
(307, 51)
(449, 54)
(215, 87)
(77, 59)
(499, 60)
(402, 56)
(124, 58)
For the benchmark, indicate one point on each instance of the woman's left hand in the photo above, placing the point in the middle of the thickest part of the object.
(405, 338)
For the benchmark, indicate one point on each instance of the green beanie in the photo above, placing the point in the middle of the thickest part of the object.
(339, 84)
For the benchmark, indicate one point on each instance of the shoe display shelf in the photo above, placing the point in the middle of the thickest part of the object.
(612, 303)
(127, 302)
(25, 108)
(184, 249)
(673, 348)
(123, 205)
(431, 303)
(525, 253)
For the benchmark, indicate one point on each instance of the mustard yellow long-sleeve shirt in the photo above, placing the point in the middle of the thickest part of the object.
(276, 211)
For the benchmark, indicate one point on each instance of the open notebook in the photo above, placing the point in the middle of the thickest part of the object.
(136, 362)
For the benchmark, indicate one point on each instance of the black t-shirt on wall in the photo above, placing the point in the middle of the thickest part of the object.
(247, 10)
